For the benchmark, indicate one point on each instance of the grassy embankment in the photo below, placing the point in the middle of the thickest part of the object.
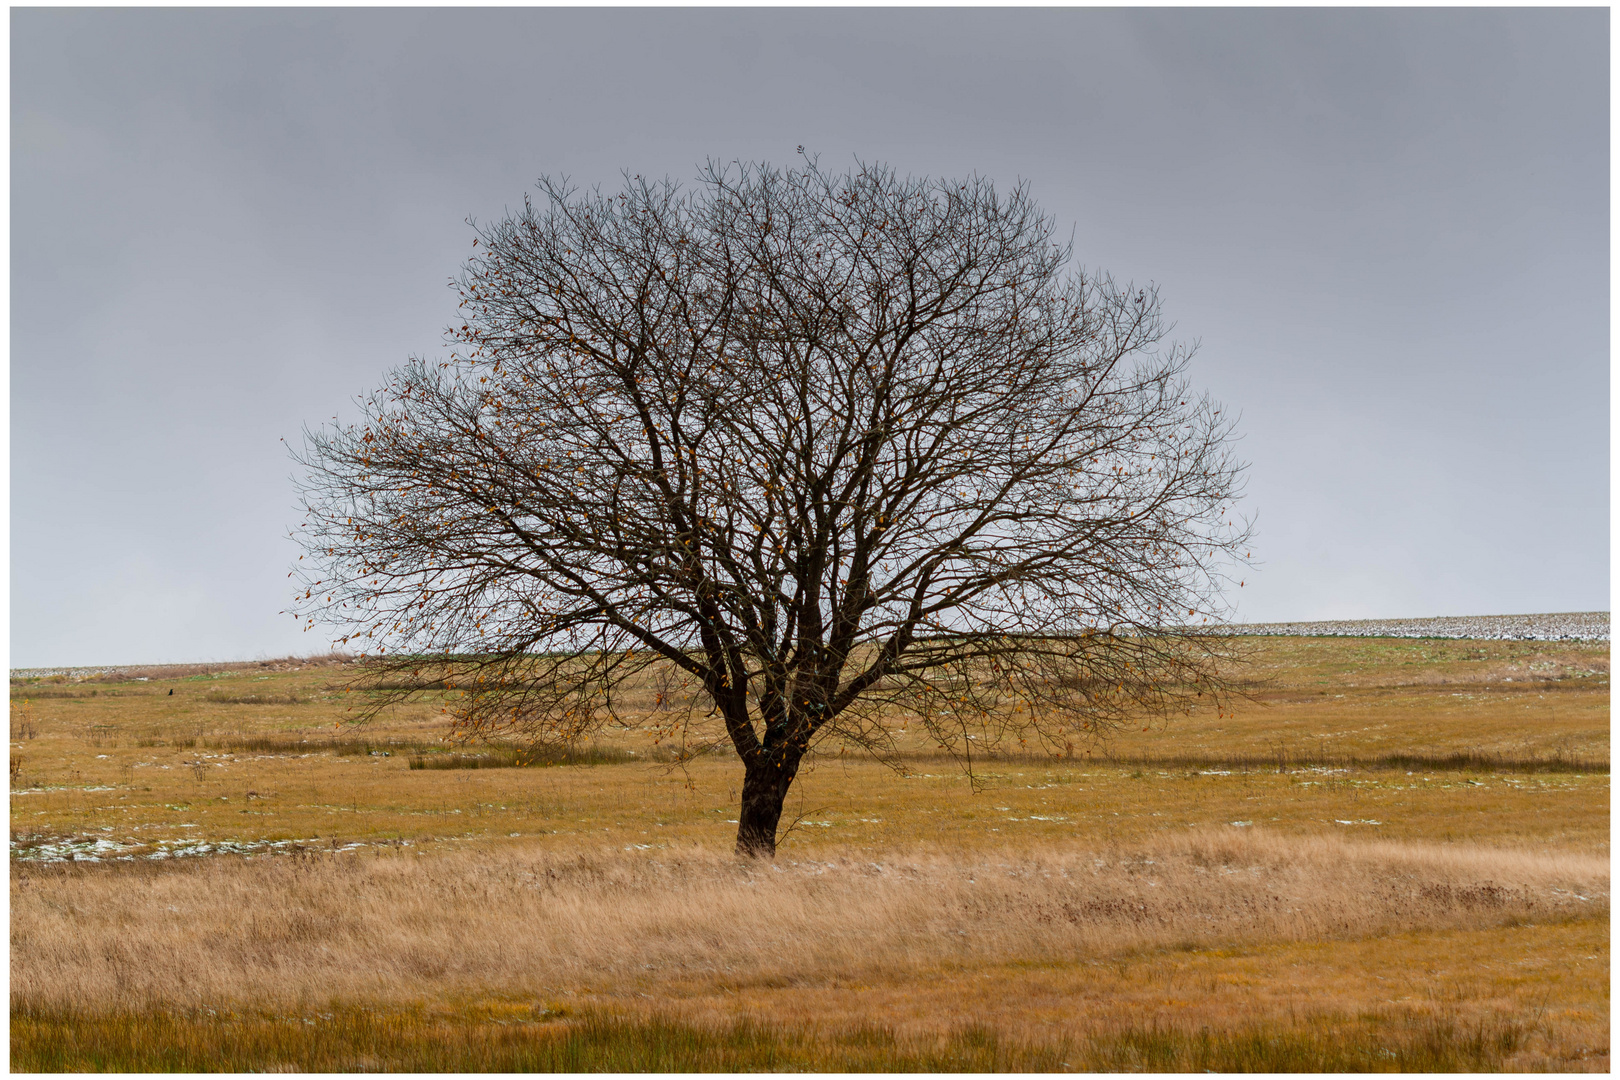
(1395, 857)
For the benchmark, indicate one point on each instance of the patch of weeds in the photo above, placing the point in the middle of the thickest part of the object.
(515, 757)
(214, 697)
(1561, 760)
(284, 744)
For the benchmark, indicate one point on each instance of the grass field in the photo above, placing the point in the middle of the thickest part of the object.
(1392, 855)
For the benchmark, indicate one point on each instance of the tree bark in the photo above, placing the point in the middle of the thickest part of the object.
(765, 788)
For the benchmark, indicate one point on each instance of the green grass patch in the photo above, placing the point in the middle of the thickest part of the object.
(347, 1039)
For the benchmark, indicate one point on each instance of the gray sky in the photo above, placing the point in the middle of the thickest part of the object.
(1388, 228)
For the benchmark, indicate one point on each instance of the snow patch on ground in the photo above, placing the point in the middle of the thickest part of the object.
(101, 849)
(1568, 626)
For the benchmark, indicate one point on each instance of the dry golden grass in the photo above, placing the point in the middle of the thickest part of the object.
(1232, 933)
(1109, 907)
(400, 927)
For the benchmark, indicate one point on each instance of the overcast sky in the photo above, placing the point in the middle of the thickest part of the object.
(1388, 228)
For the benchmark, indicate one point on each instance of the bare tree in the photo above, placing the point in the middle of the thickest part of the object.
(832, 448)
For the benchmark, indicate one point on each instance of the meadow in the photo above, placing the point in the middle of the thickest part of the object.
(1391, 854)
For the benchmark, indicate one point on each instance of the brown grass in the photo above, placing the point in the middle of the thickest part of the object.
(1384, 860)
(401, 927)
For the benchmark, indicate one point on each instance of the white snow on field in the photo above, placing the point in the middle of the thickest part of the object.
(100, 849)
(75, 673)
(1568, 626)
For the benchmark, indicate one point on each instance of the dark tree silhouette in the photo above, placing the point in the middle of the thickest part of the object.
(824, 448)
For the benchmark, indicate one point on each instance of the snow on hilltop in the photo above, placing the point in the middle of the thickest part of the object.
(1569, 626)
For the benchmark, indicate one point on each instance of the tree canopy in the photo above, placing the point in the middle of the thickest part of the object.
(828, 447)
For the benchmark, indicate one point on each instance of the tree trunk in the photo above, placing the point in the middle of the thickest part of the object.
(765, 787)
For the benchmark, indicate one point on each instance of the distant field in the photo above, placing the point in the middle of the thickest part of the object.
(1391, 854)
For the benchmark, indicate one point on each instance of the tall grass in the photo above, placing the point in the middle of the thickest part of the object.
(355, 1039)
(400, 927)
